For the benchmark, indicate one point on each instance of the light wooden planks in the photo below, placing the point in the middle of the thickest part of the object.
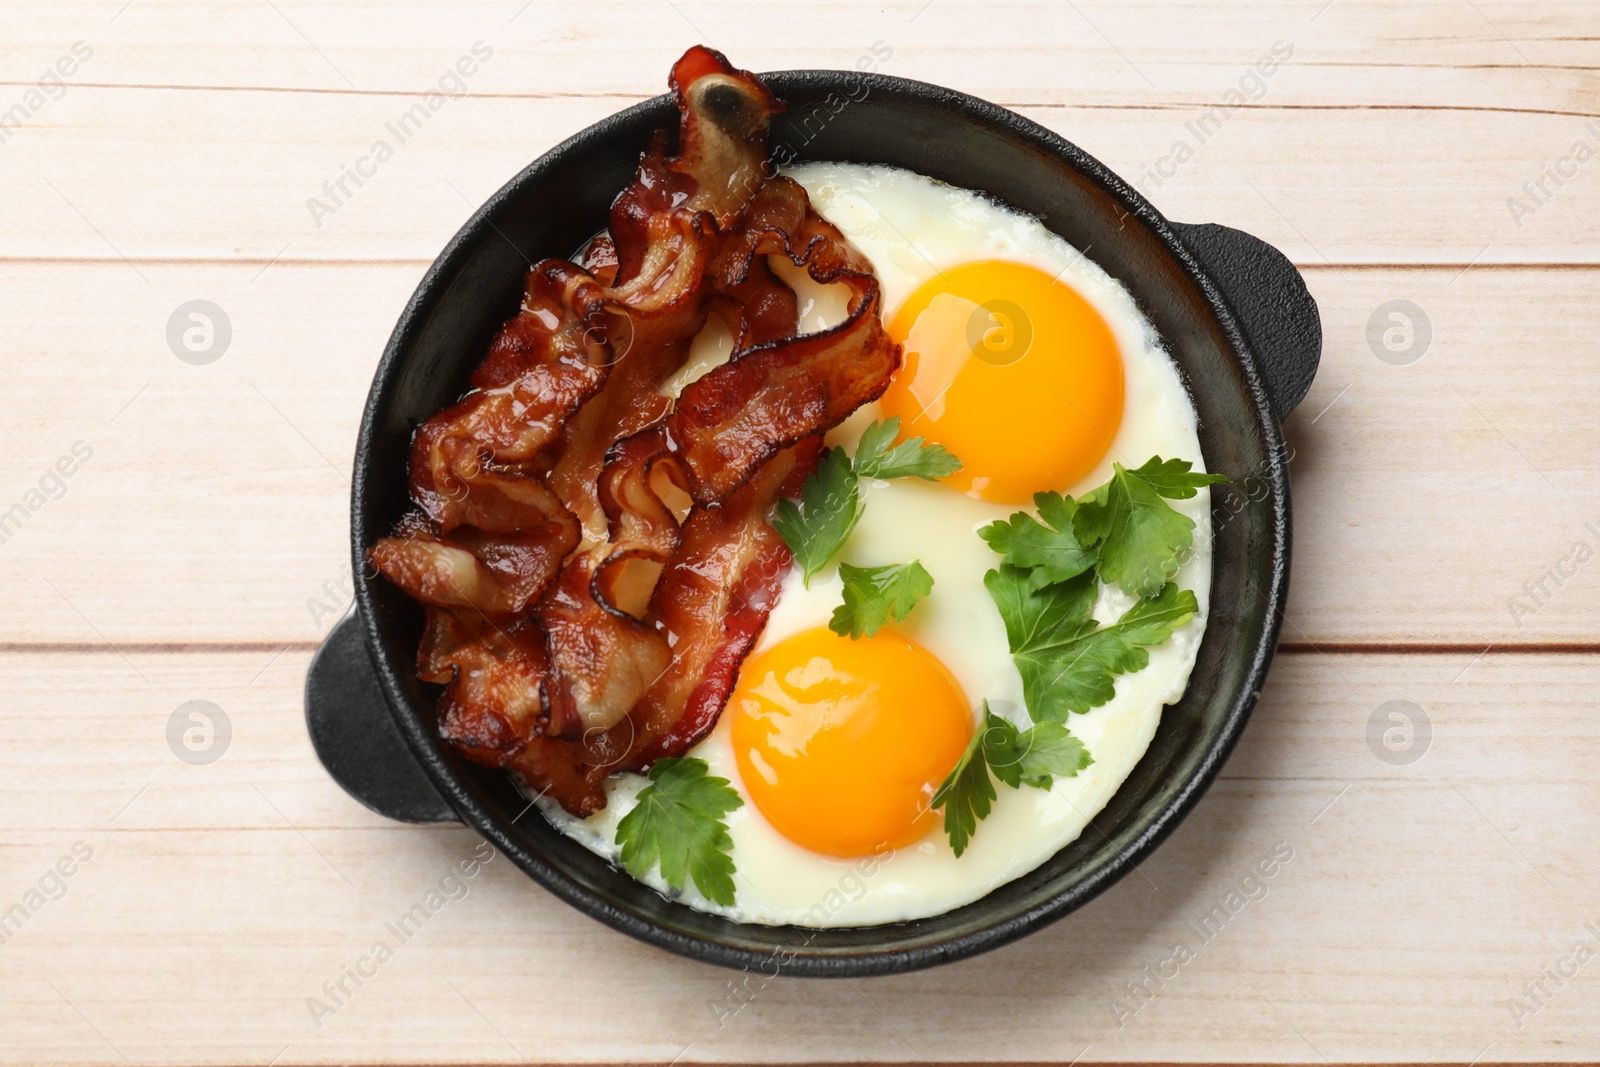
(1417, 901)
(212, 516)
(230, 174)
(215, 506)
(1426, 494)
(1428, 53)
(174, 139)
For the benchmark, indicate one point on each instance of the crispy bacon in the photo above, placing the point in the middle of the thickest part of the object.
(666, 226)
(772, 394)
(711, 603)
(759, 308)
(721, 162)
(664, 230)
(596, 554)
(776, 388)
(496, 574)
(601, 658)
(492, 534)
(494, 676)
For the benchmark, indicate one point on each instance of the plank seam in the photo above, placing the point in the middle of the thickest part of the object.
(1477, 265)
(1288, 648)
(634, 97)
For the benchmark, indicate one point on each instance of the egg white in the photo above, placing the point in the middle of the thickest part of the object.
(910, 227)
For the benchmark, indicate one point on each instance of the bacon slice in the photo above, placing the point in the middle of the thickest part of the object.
(492, 534)
(712, 603)
(724, 116)
(496, 574)
(725, 426)
(768, 397)
(596, 555)
(772, 393)
(601, 658)
(494, 677)
(665, 229)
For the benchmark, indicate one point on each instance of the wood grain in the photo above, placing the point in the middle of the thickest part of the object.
(199, 552)
(1418, 899)
(1432, 52)
(1406, 478)
(1386, 135)
(221, 175)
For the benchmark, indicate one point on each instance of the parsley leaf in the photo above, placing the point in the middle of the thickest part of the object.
(832, 508)
(1052, 551)
(1141, 539)
(872, 595)
(678, 823)
(1033, 756)
(830, 501)
(1016, 757)
(965, 795)
(1064, 656)
(911, 458)
(1173, 479)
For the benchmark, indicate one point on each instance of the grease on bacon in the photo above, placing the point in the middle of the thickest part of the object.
(595, 555)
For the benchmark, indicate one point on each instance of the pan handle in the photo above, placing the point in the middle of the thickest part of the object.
(355, 735)
(1269, 298)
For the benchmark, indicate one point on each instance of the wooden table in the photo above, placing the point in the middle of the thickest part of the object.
(1445, 472)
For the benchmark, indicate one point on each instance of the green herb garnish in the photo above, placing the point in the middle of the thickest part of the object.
(1139, 539)
(874, 595)
(832, 507)
(830, 500)
(1034, 756)
(1066, 658)
(1050, 550)
(678, 823)
(911, 458)
(1030, 757)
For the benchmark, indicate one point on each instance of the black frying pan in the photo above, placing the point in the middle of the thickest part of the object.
(1233, 311)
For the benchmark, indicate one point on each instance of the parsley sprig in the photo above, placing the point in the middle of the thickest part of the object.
(1067, 660)
(1140, 539)
(678, 823)
(830, 500)
(832, 507)
(874, 595)
(911, 458)
(1049, 550)
(1033, 756)
(1122, 533)
(1124, 529)
(1017, 757)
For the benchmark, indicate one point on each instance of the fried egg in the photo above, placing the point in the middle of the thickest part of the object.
(1036, 369)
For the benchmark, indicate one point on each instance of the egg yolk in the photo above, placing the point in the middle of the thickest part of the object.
(1012, 371)
(841, 743)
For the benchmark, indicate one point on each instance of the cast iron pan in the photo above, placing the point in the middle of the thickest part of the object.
(1233, 311)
